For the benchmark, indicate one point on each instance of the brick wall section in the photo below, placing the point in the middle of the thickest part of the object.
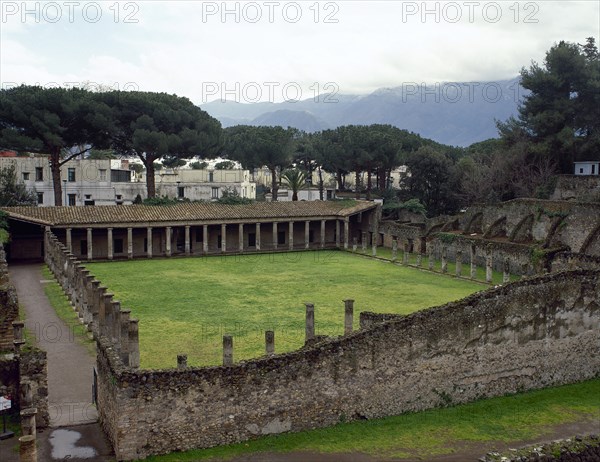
(527, 335)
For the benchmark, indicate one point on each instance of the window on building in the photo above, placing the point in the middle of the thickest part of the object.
(251, 239)
(83, 247)
(118, 246)
(89, 202)
(281, 237)
(102, 172)
(215, 193)
(71, 174)
(72, 199)
(39, 174)
(40, 198)
(581, 170)
(211, 177)
(180, 192)
(25, 176)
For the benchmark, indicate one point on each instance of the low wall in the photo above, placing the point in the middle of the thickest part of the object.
(577, 187)
(530, 334)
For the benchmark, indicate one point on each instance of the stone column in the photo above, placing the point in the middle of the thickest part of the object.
(473, 261)
(270, 342)
(110, 243)
(134, 344)
(419, 259)
(125, 318)
(149, 242)
(374, 247)
(364, 241)
(181, 362)
(18, 327)
(227, 350)
(348, 316)
(337, 233)
(488, 267)
(458, 263)
(444, 260)
(431, 256)
(346, 232)
(307, 235)
(354, 244)
(241, 237)
(27, 449)
(394, 249)
(406, 253)
(257, 236)
(205, 239)
(129, 243)
(90, 248)
(168, 241)
(506, 273)
(310, 322)
(291, 235)
(28, 421)
(223, 238)
(187, 240)
(69, 241)
(275, 235)
(322, 234)
(116, 323)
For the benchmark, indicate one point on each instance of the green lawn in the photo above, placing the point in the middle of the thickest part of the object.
(438, 431)
(185, 305)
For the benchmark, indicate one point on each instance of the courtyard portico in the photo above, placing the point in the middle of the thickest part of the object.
(127, 232)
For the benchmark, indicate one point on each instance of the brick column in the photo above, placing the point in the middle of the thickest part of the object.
(346, 232)
(223, 238)
(241, 236)
(69, 241)
(168, 241)
(257, 236)
(205, 238)
(291, 235)
(307, 235)
(129, 243)
(444, 260)
(187, 240)
(488, 267)
(275, 235)
(110, 243)
(149, 242)
(322, 234)
(90, 248)
(473, 262)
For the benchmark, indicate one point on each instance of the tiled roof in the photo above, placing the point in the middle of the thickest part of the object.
(183, 212)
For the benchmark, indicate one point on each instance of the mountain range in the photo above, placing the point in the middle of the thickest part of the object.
(453, 113)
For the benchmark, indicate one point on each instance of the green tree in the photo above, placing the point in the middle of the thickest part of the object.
(225, 165)
(63, 123)
(173, 162)
(294, 179)
(154, 125)
(560, 117)
(255, 147)
(13, 193)
(198, 165)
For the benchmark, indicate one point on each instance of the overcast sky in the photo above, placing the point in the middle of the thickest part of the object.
(276, 50)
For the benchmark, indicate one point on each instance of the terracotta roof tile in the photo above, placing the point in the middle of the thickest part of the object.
(183, 212)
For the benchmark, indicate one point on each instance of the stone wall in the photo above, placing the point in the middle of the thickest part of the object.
(9, 305)
(577, 187)
(531, 334)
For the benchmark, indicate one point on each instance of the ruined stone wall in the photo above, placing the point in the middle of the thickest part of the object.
(577, 187)
(9, 305)
(33, 388)
(570, 261)
(531, 334)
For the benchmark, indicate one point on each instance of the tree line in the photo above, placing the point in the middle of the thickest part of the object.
(558, 122)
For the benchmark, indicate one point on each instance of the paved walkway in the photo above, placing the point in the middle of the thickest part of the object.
(74, 433)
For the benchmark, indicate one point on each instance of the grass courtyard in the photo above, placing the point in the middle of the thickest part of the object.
(186, 305)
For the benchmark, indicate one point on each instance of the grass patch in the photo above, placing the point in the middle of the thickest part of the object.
(386, 254)
(186, 305)
(439, 431)
(66, 313)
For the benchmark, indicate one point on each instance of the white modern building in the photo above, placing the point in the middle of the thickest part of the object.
(111, 182)
(587, 168)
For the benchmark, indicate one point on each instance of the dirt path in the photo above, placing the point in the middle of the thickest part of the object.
(70, 365)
